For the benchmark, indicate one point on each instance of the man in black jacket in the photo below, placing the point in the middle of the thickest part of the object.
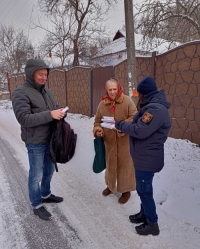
(35, 108)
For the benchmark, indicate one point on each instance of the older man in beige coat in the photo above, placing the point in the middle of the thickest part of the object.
(120, 174)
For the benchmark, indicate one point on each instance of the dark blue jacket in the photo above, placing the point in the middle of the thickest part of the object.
(148, 132)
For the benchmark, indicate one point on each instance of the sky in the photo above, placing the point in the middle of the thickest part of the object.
(24, 14)
(95, 221)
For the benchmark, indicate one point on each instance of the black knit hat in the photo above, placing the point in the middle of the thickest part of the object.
(146, 86)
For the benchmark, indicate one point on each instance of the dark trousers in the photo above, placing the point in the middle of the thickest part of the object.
(144, 187)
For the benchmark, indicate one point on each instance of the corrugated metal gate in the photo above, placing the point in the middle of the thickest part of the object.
(98, 79)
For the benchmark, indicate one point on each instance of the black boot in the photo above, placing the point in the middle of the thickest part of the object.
(137, 218)
(52, 198)
(147, 228)
(42, 213)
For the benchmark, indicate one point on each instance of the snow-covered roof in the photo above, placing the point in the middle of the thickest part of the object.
(114, 47)
(119, 45)
(157, 44)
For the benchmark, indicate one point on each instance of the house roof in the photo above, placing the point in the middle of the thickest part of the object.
(119, 45)
(115, 46)
(118, 35)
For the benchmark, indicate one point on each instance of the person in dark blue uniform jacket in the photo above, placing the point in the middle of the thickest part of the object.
(148, 133)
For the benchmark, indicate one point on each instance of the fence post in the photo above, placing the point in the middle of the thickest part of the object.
(153, 64)
(8, 81)
(91, 93)
(65, 79)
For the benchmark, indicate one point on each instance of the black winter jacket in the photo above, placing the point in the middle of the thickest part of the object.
(32, 103)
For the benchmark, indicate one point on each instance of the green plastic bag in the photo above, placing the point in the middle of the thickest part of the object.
(99, 163)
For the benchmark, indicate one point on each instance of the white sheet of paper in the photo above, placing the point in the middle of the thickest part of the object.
(107, 119)
(108, 125)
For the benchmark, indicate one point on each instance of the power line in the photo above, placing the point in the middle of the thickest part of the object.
(10, 9)
(5, 7)
(20, 16)
(20, 12)
(23, 16)
(30, 21)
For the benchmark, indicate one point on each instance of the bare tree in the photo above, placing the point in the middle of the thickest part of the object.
(92, 48)
(84, 20)
(172, 20)
(57, 42)
(15, 50)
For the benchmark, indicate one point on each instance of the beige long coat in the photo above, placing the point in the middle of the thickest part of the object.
(120, 174)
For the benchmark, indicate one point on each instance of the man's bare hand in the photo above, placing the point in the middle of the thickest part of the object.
(57, 114)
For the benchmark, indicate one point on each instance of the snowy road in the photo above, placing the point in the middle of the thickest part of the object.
(23, 230)
(85, 219)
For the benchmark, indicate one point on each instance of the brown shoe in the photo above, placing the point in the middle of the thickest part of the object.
(106, 192)
(124, 198)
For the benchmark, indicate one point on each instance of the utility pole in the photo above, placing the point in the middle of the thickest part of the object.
(130, 45)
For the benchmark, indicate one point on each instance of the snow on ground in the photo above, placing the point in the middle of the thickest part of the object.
(100, 222)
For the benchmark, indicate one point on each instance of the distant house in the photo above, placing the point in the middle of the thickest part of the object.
(116, 51)
(112, 54)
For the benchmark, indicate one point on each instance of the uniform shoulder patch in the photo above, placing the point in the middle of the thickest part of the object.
(147, 117)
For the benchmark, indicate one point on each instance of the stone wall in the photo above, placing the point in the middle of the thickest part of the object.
(15, 81)
(4, 95)
(177, 72)
(144, 67)
(57, 84)
(120, 72)
(12, 84)
(19, 80)
(78, 90)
